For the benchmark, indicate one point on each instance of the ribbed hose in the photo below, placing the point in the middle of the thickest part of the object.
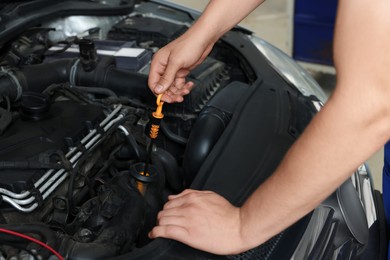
(38, 77)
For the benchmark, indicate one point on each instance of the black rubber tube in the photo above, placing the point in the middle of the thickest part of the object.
(9, 88)
(38, 77)
(171, 169)
(208, 128)
(172, 136)
(102, 91)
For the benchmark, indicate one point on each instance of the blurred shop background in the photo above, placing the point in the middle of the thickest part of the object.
(304, 30)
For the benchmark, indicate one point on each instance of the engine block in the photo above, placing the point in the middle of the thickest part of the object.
(35, 152)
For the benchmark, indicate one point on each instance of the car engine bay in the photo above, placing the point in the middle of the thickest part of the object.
(75, 135)
(75, 115)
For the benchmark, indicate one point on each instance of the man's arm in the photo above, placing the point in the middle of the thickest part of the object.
(353, 124)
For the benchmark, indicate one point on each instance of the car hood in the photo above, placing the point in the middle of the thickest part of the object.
(16, 16)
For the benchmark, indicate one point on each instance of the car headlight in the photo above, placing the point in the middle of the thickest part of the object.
(290, 70)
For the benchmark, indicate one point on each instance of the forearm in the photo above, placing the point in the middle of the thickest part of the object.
(354, 123)
(220, 16)
(338, 140)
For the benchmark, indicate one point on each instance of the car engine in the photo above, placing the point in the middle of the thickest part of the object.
(74, 122)
(84, 170)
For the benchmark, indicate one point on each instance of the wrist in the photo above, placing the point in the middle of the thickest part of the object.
(245, 236)
(251, 233)
(201, 34)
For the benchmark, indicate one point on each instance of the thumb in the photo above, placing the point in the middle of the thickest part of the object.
(167, 79)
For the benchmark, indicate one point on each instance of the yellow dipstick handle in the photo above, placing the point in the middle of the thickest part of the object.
(158, 113)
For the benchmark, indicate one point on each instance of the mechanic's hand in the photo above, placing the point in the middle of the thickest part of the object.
(173, 63)
(203, 220)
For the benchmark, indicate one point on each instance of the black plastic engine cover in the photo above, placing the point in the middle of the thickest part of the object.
(31, 141)
(145, 29)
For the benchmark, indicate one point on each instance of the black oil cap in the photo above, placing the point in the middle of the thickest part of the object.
(34, 105)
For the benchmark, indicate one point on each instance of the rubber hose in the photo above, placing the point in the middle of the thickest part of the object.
(59, 71)
(171, 169)
(208, 128)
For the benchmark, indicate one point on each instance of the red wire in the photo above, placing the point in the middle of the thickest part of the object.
(36, 241)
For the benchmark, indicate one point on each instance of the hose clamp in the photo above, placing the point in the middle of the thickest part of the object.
(72, 74)
(9, 73)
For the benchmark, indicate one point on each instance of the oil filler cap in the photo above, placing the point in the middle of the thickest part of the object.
(34, 105)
